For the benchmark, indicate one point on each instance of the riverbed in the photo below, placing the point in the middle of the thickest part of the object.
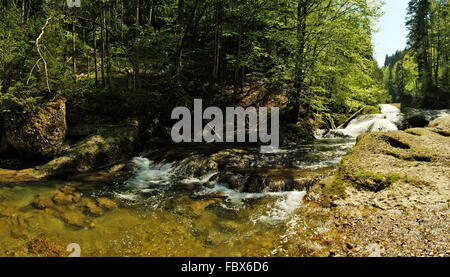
(165, 207)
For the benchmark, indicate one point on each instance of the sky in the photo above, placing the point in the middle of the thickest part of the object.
(391, 35)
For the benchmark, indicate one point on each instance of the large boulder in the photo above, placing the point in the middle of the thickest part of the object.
(419, 157)
(41, 135)
(414, 118)
(108, 146)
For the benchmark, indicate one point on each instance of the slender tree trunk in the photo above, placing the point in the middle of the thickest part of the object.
(95, 52)
(108, 53)
(86, 54)
(74, 62)
(23, 11)
(150, 12)
(217, 42)
(137, 13)
(237, 66)
(103, 45)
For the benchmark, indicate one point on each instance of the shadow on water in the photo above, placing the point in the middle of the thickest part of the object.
(164, 208)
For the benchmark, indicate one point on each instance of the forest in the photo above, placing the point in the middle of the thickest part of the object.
(418, 76)
(120, 59)
(142, 58)
(89, 165)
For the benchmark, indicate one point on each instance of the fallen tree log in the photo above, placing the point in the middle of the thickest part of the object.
(343, 125)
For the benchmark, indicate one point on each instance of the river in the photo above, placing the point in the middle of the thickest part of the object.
(165, 209)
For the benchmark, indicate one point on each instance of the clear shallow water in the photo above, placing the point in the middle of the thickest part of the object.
(161, 213)
(164, 209)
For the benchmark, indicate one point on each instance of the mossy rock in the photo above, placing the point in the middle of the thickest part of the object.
(381, 159)
(42, 134)
(415, 118)
(108, 146)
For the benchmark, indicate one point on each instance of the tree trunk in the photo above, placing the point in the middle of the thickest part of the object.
(137, 13)
(150, 12)
(103, 45)
(95, 52)
(217, 42)
(237, 66)
(302, 13)
(74, 63)
(108, 54)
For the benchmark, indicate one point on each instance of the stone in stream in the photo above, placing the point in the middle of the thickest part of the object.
(42, 202)
(92, 208)
(72, 207)
(414, 118)
(273, 179)
(45, 247)
(61, 198)
(106, 203)
(381, 159)
(109, 146)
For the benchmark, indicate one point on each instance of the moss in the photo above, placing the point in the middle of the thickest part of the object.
(411, 156)
(414, 181)
(415, 132)
(111, 145)
(374, 181)
(333, 188)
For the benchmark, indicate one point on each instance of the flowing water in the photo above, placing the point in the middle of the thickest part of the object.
(163, 209)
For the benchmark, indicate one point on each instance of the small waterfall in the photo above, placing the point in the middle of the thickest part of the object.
(390, 119)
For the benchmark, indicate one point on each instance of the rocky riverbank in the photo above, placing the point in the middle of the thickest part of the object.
(389, 197)
(105, 149)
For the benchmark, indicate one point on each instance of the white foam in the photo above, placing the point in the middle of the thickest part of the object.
(148, 174)
(284, 207)
(200, 180)
(389, 120)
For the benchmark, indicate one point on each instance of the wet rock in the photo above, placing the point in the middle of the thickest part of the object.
(19, 226)
(61, 198)
(255, 184)
(110, 145)
(382, 159)
(234, 180)
(42, 202)
(72, 216)
(45, 247)
(67, 189)
(414, 118)
(72, 207)
(194, 207)
(256, 180)
(106, 203)
(77, 197)
(92, 208)
(42, 135)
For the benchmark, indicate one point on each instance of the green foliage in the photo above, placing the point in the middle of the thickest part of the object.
(316, 57)
(418, 76)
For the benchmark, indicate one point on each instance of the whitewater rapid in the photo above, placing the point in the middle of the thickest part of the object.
(390, 119)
